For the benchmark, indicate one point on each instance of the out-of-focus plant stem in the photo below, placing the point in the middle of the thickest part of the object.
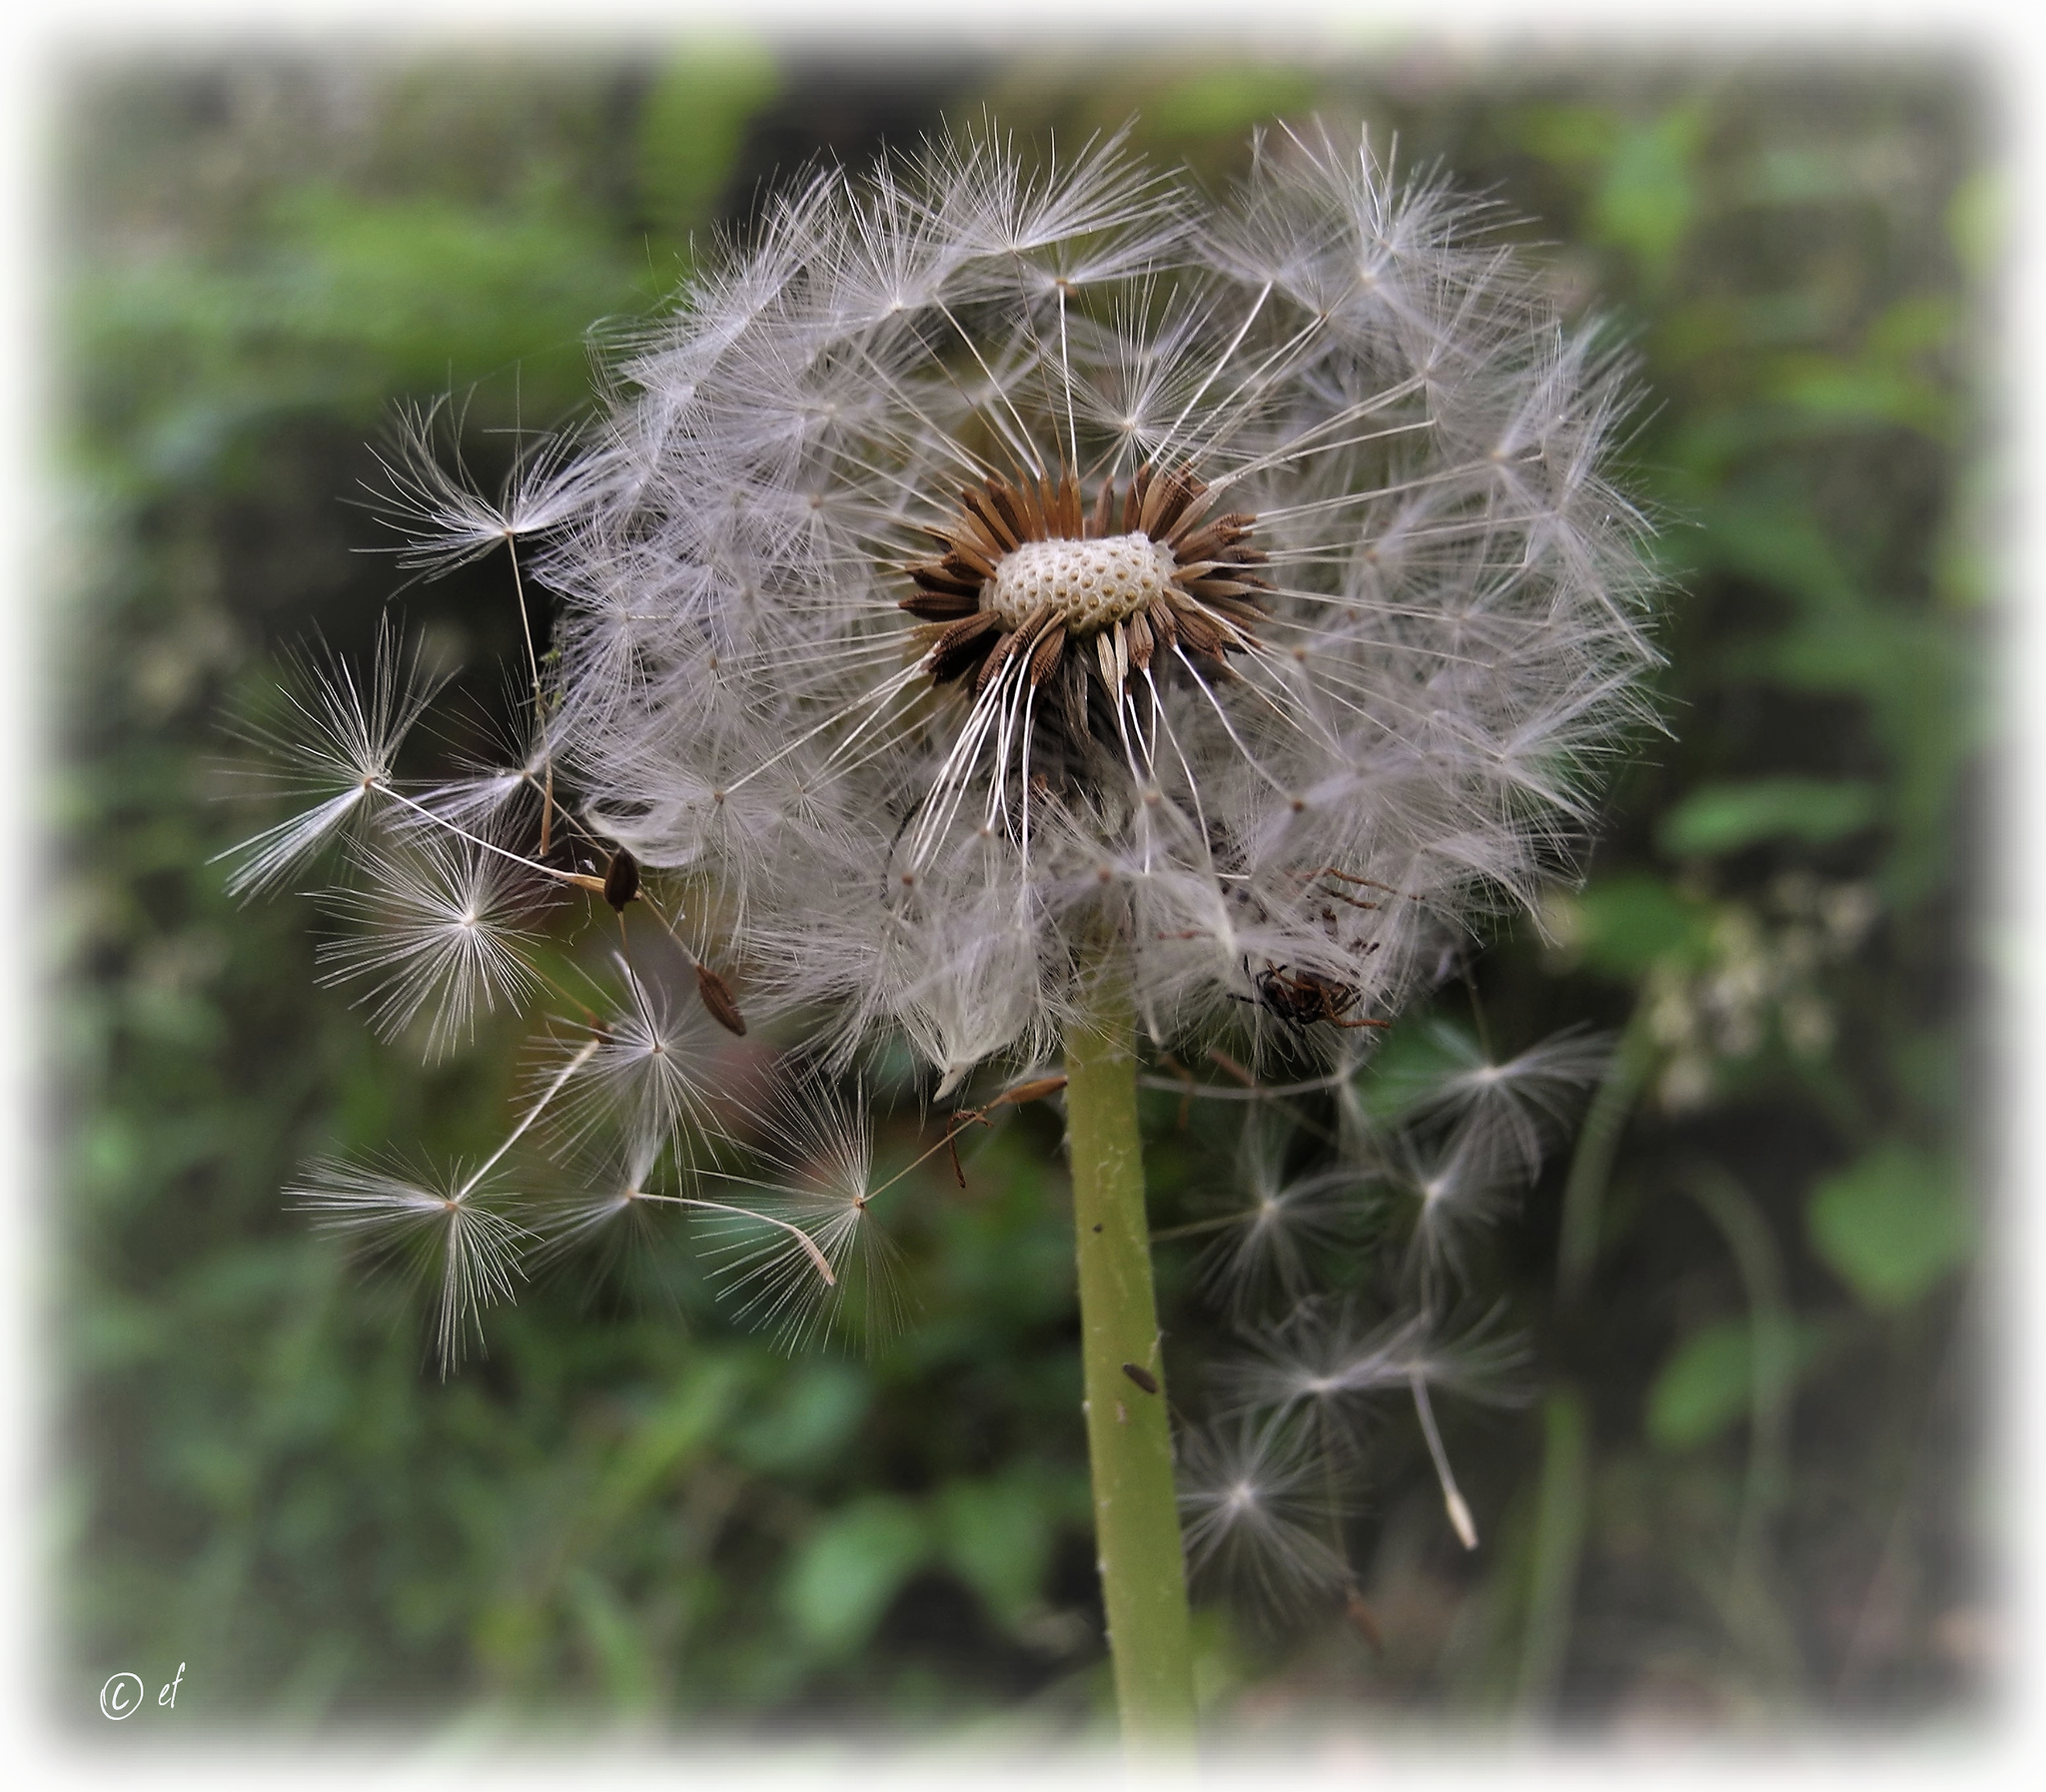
(1747, 1601)
(1559, 1523)
(1583, 1194)
(1128, 1438)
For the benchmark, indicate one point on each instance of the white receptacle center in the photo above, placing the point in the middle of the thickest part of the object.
(1089, 584)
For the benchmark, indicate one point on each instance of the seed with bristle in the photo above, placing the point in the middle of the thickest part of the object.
(718, 1000)
(621, 880)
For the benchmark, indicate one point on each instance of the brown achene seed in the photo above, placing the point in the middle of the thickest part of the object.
(1025, 571)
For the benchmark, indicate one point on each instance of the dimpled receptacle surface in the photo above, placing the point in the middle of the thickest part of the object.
(1089, 584)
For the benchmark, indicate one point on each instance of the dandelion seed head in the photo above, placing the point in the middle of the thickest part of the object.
(442, 1227)
(445, 519)
(804, 1253)
(330, 747)
(1265, 1251)
(994, 568)
(1327, 1357)
(440, 932)
(647, 1073)
(611, 1203)
(1255, 1507)
(1013, 551)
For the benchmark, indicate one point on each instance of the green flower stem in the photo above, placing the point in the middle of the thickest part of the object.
(1597, 1143)
(1128, 1438)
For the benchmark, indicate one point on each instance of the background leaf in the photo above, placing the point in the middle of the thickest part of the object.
(1708, 1383)
(850, 1567)
(1718, 818)
(1892, 1226)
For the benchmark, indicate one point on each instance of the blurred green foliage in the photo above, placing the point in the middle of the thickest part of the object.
(1752, 1486)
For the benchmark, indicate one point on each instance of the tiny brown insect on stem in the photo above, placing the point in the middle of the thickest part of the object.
(718, 1000)
(1143, 1378)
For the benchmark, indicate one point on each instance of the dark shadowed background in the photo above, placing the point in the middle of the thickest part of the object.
(1750, 1487)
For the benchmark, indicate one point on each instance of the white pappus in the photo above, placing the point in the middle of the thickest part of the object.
(988, 558)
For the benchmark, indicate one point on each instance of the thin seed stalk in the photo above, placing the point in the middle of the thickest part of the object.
(1128, 1438)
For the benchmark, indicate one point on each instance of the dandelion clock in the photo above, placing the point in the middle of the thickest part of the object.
(1037, 612)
